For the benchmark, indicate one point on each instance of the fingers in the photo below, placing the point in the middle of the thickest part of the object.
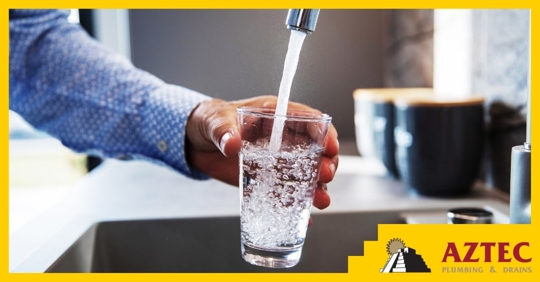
(222, 129)
(331, 147)
(271, 102)
(230, 144)
(225, 136)
(302, 107)
(328, 169)
(321, 199)
(212, 124)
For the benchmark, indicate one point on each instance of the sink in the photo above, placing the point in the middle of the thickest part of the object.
(212, 245)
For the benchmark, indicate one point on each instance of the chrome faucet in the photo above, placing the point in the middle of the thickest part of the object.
(302, 20)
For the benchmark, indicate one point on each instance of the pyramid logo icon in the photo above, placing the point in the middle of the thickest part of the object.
(403, 258)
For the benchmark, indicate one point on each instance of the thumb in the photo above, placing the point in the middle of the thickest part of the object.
(225, 135)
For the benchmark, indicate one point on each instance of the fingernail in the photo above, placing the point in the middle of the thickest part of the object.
(332, 168)
(223, 141)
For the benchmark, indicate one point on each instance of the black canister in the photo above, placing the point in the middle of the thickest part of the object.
(374, 120)
(439, 143)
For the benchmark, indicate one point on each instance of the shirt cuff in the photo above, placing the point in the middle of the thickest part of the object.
(164, 119)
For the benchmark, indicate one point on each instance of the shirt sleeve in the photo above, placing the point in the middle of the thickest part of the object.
(94, 100)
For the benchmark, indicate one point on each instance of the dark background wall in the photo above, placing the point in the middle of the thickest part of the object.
(236, 54)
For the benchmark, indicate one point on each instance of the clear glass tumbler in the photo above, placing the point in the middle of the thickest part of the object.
(277, 184)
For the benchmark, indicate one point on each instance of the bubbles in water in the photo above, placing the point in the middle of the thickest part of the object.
(275, 209)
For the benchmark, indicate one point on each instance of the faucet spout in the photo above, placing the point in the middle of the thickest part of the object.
(302, 20)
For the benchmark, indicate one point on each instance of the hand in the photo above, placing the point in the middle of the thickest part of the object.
(213, 142)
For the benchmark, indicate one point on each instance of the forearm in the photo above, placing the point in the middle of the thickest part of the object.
(93, 100)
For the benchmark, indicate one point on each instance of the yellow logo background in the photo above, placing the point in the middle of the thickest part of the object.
(431, 241)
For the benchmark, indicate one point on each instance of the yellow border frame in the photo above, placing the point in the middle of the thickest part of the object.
(429, 240)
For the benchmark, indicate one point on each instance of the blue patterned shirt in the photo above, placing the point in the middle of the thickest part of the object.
(94, 100)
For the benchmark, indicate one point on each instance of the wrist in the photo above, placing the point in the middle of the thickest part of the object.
(164, 119)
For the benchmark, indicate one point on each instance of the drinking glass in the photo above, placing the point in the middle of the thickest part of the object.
(277, 184)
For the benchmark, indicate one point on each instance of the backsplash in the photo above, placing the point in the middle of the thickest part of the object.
(409, 48)
(492, 62)
(500, 55)
(500, 67)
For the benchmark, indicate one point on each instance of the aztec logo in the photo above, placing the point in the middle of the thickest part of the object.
(403, 258)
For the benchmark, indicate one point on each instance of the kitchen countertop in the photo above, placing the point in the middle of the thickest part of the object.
(138, 190)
